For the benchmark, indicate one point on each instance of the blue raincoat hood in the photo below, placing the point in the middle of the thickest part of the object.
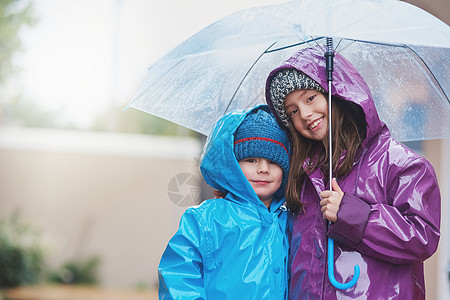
(219, 166)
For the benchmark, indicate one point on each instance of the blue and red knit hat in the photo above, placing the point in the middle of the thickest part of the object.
(259, 135)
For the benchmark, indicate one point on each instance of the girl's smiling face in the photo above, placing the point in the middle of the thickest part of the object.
(308, 111)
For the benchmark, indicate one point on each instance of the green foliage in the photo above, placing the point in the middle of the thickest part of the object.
(14, 14)
(136, 121)
(17, 111)
(77, 272)
(142, 286)
(21, 252)
(20, 112)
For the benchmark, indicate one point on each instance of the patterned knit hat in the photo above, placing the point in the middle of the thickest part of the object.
(285, 81)
(259, 135)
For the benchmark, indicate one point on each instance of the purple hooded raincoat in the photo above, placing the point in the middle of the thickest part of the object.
(389, 218)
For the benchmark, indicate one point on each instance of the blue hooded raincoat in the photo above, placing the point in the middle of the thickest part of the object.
(389, 218)
(230, 248)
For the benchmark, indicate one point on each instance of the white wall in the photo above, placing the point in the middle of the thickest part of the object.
(97, 194)
(437, 267)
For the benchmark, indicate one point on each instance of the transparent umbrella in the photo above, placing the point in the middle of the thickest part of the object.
(402, 52)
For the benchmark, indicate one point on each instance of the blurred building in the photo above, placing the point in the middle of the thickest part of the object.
(115, 196)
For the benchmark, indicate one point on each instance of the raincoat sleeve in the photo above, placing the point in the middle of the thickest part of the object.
(402, 225)
(181, 267)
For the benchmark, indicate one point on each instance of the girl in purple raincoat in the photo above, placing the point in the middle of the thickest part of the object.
(385, 204)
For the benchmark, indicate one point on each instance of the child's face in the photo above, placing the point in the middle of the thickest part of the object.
(308, 110)
(264, 176)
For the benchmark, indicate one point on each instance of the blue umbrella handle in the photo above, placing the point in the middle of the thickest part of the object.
(334, 282)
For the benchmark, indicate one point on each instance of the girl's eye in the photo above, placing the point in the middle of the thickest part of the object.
(311, 98)
(250, 160)
(292, 112)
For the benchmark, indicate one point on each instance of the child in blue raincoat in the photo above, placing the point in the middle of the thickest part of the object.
(235, 247)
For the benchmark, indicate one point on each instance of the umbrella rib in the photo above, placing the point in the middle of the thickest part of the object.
(337, 46)
(293, 45)
(431, 73)
(245, 76)
(148, 87)
(406, 47)
(259, 57)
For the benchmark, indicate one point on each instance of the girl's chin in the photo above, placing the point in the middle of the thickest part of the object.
(316, 136)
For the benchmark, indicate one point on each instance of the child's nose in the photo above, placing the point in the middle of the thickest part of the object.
(305, 112)
(263, 166)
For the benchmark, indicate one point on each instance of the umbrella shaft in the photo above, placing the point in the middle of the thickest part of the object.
(329, 57)
(330, 138)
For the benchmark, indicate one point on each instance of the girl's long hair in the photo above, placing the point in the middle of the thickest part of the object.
(349, 130)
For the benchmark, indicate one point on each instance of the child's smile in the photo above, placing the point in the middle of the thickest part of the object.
(308, 111)
(315, 123)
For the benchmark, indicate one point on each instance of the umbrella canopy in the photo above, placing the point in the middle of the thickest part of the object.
(402, 52)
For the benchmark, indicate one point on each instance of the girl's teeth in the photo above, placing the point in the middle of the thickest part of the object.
(315, 124)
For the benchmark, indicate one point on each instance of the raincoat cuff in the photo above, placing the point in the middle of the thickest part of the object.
(353, 216)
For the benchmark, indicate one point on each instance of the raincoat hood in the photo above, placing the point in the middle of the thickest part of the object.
(347, 84)
(220, 167)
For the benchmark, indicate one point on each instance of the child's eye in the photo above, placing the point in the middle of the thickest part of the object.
(250, 160)
(292, 112)
(311, 98)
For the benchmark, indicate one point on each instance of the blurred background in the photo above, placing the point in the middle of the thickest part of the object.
(90, 194)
